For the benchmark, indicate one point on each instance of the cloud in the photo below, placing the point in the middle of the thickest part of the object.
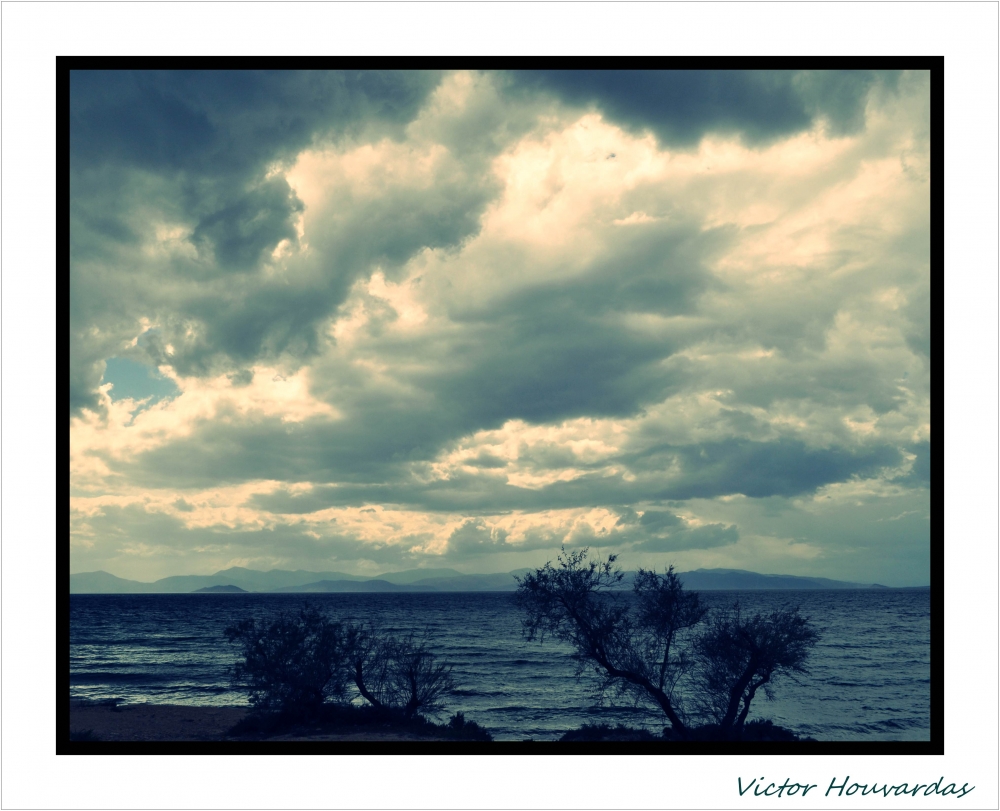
(920, 472)
(658, 522)
(707, 536)
(407, 317)
(474, 538)
(147, 545)
(681, 106)
(171, 176)
(758, 469)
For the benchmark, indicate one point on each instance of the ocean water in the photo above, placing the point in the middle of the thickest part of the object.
(869, 677)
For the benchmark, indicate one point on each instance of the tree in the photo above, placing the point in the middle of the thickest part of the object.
(416, 682)
(368, 663)
(295, 663)
(394, 673)
(632, 647)
(741, 654)
(292, 664)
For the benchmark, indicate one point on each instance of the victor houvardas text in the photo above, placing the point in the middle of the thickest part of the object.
(845, 787)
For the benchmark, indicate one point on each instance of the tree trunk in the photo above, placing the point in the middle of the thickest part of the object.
(414, 702)
(654, 692)
(595, 651)
(746, 702)
(360, 682)
(735, 694)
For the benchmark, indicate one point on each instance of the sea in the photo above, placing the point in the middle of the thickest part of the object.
(868, 680)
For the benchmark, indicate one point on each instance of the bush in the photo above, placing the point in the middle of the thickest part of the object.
(603, 732)
(294, 665)
(83, 735)
(464, 730)
(743, 653)
(761, 729)
(291, 665)
(757, 730)
(395, 673)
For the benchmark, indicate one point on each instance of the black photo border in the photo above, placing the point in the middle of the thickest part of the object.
(934, 746)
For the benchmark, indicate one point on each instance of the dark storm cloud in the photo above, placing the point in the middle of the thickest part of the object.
(681, 106)
(845, 383)
(707, 536)
(244, 377)
(920, 473)
(225, 122)
(260, 321)
(786, 467)
(216, 132)
(242, 230)
(631, 358)
(547, 365)
(659, 530)
(563, 349)
(659, 522)
(474, 538)
(553, 352)
(84, 378)
(195, 147)
(234, 452)
(285, 502)
(918, 333)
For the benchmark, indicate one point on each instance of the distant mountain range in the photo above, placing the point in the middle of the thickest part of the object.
(238, 579)
(741, 580)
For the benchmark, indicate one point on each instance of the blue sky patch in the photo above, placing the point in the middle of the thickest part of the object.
(138, 381)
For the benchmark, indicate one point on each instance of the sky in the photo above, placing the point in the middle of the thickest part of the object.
(372, 321)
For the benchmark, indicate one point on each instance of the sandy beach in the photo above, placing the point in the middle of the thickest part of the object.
(172, 722)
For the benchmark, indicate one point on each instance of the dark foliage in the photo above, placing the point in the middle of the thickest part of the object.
(740, 654)
(295, 666)
(458, 728)
(603, 732)
(644, 648)
(83, 735)
(396, 673)
(633, 648)
(349, 718)
(758, 730)
(291, 665)
(761, 729)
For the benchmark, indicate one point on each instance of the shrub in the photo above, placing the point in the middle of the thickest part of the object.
(464, 730)
(603, 732)
(743, 653)
(292, 664)
(394, 673)
(83, 735)
(295, 664)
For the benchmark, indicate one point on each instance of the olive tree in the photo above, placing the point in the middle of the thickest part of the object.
(740, 654)
(633, 645)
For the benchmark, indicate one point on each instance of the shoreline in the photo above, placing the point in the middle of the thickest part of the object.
(104, 721)
(107, 721)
